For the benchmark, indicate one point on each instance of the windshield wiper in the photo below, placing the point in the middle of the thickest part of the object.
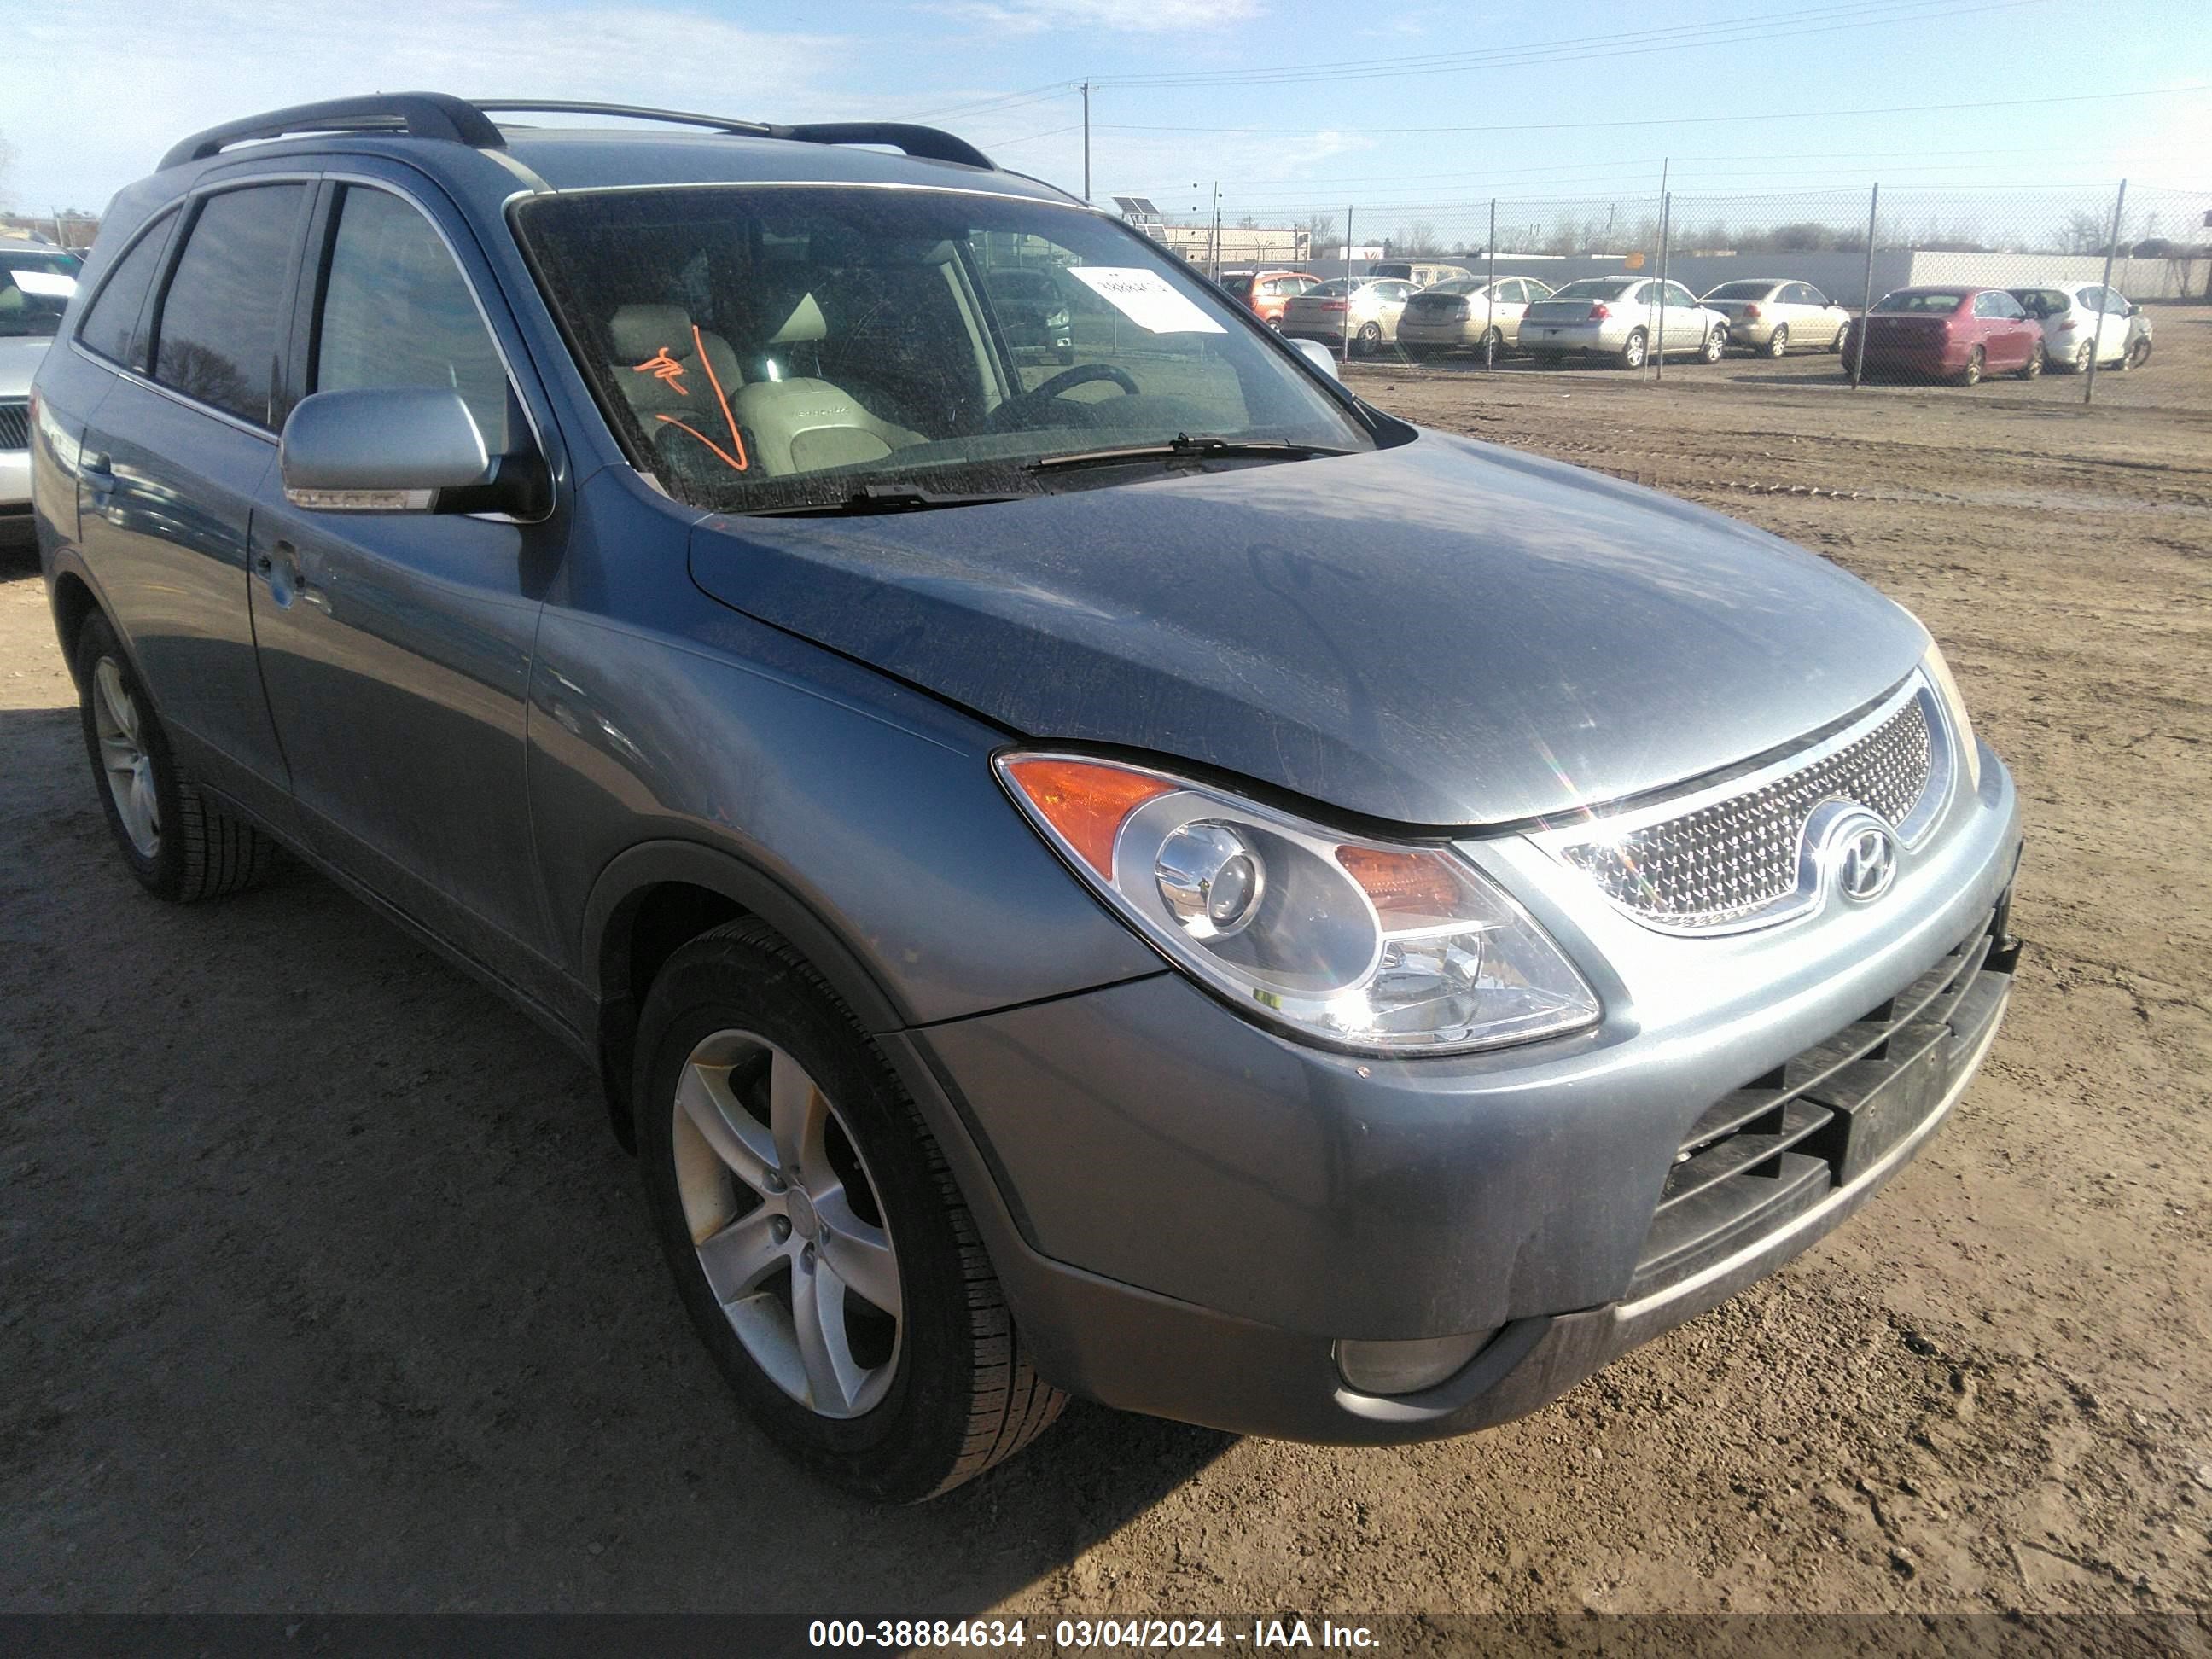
(1183, 446)
(871, 498)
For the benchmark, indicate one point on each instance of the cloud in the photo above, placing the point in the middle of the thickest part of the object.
(1089, 16)
(105, 115)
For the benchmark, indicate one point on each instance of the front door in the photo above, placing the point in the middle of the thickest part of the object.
(175, 457)
(395, 646)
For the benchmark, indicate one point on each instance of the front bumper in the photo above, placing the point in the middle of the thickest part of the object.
(1187, 1211)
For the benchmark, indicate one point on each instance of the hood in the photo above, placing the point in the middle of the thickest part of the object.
(1445, 634)
(20, 357)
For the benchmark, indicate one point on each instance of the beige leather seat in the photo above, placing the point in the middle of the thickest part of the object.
(802, 425)
(660, 368)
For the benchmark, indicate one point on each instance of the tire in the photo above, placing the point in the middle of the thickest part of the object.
(2033, 368)
(1717, 343)
(2081, 355)
(1491, 348)
(178, 844)
(2138, 351)
(1369, 340)
(1777, 343)
(1972, 373)
(927, 1396)
(1632, 353)
(1842, 339)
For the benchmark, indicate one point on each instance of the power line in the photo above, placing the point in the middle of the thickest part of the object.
(1662, 121)
(1584, 48)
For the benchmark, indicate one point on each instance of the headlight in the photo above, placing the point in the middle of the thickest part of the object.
(1955, 706)
(1353, 943)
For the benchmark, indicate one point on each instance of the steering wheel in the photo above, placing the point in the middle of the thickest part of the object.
(1067, 380)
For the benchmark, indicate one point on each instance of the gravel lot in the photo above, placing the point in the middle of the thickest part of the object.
(326, 1289)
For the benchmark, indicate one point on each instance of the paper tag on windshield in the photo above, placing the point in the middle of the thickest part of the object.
(1145, 298)
(53, 284)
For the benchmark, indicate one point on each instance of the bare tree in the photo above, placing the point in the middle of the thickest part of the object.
(1320, 231)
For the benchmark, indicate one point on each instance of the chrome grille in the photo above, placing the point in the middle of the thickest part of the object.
(1737, 857)
(15, 425)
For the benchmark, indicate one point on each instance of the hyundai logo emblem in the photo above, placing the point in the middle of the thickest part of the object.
(1862, 857)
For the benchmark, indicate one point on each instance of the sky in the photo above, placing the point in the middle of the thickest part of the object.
(1292, 107)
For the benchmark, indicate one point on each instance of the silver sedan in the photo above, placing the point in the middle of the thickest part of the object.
(1619, 317)
(1772, 315)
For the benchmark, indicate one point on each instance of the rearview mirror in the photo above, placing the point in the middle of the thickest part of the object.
(393, 449)
(1318, 355)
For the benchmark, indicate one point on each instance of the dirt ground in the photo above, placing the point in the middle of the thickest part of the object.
(327, 1289)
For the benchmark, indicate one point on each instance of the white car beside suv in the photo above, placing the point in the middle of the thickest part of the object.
(36, 281)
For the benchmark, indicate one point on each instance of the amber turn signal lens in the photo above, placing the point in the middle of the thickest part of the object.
(1086, 802)
(1401, 882)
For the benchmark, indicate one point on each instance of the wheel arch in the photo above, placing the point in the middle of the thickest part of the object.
(657, 895)
(74, 599)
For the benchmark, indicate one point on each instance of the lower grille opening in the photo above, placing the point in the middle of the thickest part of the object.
(1764, 1153)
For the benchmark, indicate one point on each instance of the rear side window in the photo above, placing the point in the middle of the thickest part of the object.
(115, 326)
(216, 339)
(396, 312)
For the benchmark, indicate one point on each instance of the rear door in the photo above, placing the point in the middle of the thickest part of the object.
(173, 460)
(397, 647)
(2111, 325)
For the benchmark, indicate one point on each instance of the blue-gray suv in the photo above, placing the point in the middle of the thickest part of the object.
(1145, 878)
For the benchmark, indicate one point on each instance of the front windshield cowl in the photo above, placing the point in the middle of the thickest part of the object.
(767, 348)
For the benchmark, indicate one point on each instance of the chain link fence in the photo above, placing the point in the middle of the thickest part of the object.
(1851, 246)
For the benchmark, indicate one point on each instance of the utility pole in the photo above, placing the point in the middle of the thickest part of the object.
(1658, 351)
(1086, 141)
(1213, 245)
(2112, 252)
(1347, 285)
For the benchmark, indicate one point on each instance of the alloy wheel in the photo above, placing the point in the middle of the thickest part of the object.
(123, 758)
(1777, 343)
(788, 1225)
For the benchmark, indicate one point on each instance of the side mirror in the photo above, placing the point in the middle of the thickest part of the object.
(1318, 355)
(2135, 310)
(393, 449)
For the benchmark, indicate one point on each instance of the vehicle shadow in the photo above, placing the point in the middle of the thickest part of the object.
(330, 1291)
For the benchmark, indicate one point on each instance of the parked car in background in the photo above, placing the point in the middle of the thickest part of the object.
(1773, 316)
(1033, 312)
(1619, 317)
(1366, 308)
(35, 285)
(1269, 291)
(2079, 319)
(1421, 273)
(1468, 314)
(1952, 332)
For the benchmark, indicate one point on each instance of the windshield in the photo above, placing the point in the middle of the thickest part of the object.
(1595, 288)
(1241, 286)
(756, 347)
(35, 285)
(1938, 302)
(1742, 291)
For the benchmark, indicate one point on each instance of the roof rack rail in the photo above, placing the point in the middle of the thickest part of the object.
(441, 115)
(628, 112)
(420, 114)
(927, 143)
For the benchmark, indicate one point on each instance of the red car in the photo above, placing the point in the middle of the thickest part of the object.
(1952, 333)
(1267, 291)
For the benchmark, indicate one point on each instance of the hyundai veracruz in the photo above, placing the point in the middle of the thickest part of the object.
(1149, 878)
